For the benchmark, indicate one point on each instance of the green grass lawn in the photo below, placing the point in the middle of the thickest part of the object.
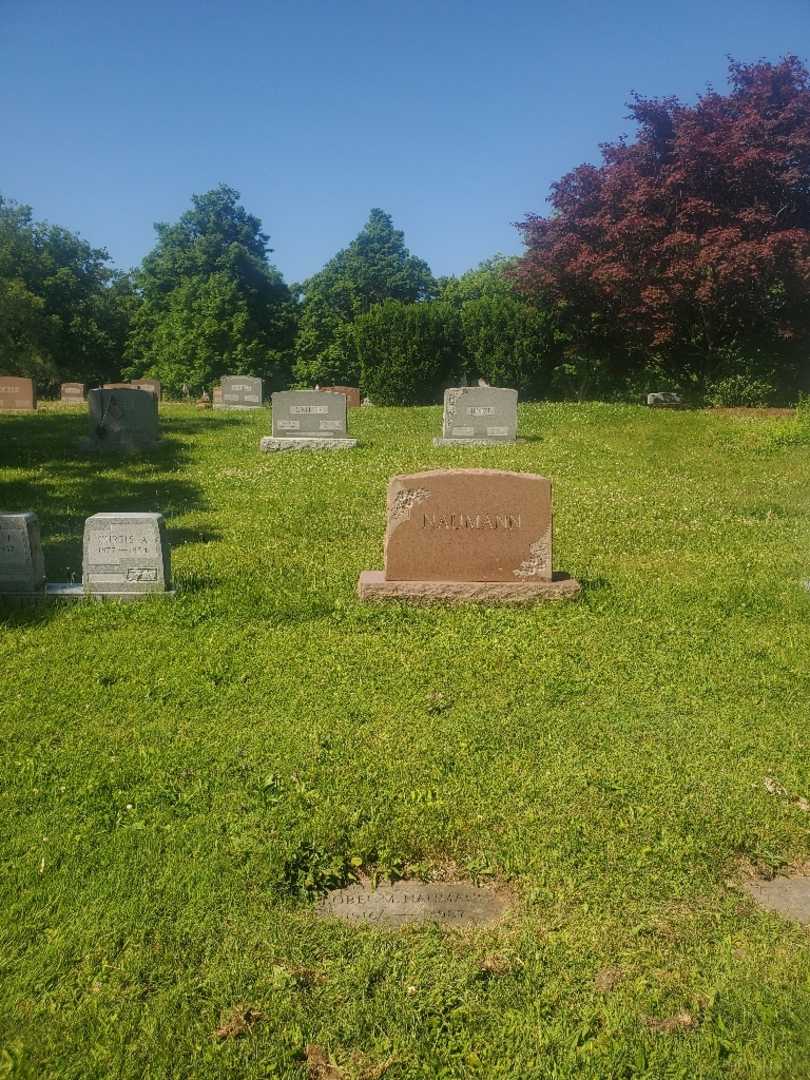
(181, 779)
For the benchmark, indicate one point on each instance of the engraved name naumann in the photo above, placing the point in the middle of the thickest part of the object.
(471, 521)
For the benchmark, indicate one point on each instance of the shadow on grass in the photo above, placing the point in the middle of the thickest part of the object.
(63, 486)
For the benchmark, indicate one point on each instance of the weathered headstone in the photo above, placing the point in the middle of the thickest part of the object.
(22, 568)
(216, 395)
(123, 419)
(17, 394)
(308, 420)
(451, 903)
(72, 393)
(351, 393)
(240, 392)
(665, 400)
(468, 535)
(478, 416)
(125, 556)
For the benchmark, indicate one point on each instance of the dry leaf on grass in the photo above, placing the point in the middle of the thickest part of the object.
(318, 1065)
(682, 1021)
(495, 965)
(773, 787)
(607, 978)
(239, 1021)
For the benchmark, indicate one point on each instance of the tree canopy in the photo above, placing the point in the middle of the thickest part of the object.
(691, 244)
(212, 303)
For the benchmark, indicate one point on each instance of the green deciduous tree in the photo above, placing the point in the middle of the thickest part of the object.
(509, 342)
(408, 352)
(375, 267)
(212, 302)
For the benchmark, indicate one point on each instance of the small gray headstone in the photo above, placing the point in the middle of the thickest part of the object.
(123, 419)
(72, 393)
(451, 903)
(125, 556)
(789, 897)
(22, 567)
(665, 400)
(478, 416)
(240, 392)
(308, 420)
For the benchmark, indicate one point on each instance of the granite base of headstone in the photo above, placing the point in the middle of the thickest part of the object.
(468, 535)
(22, 567)
(122, 420)
(17, 394)
(308, 420)
(478, 416)
(240, 392)
(665, 400)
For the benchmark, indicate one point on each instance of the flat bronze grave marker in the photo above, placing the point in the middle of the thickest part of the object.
(450, 903)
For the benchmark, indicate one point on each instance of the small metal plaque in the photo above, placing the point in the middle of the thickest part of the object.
(450, 903)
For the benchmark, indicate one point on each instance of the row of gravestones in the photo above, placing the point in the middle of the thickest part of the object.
(246, 392)
(457, 535)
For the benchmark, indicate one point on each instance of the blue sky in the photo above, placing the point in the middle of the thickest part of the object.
(453, 116)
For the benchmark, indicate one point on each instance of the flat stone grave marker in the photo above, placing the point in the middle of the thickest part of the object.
(468, 535)
(72, 393)
(240, 392)
(449, 903)
(351, 393)
(126, 556)
(17, 394)
(665, 400)
(787, 896)
(122, 420)
(478, 416)
(308, 420)
(22, 567)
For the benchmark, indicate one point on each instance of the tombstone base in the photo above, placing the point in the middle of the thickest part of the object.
(62, 590)
(440, 440)
(372, 585)
(272, 443)
(238, 408)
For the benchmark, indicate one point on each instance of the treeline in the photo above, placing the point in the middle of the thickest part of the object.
(682, 262)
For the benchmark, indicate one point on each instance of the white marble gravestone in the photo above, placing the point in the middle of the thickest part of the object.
(478, 416)
(22, 568)
(126, 556)
(240, 392)
(308, 420)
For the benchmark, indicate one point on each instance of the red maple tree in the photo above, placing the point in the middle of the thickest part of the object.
(688, 249)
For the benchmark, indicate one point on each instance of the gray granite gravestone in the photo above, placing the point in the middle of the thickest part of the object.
(72, 393)
(478, 416)
(22, 568)
(240, 392)
(126, 556)
(308, 420)
(665, 400)
(122, 420)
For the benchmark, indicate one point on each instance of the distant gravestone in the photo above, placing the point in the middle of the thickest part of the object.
(216, 395)
(17, 394)
(308, 420)
(451, 903)
(125, 556)
(122, 420)
(351, 393)
(478, 416)
(468, 535)
(240, 392)
(665, 400)
(72, 393)
(148, 384)
(22, 568)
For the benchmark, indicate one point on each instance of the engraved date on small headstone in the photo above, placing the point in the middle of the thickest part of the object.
(450, 903)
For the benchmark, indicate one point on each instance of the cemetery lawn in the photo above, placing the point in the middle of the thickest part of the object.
(181, 779)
